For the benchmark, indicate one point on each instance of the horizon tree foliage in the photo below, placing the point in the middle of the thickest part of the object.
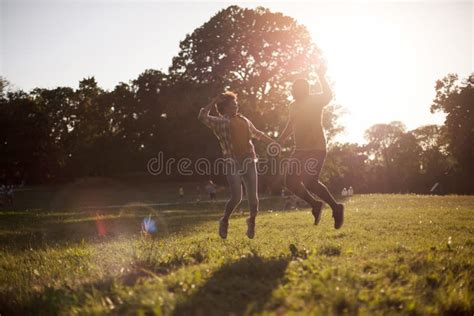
(393, 160)
(60, 134)
(435, 159)
(381, 140)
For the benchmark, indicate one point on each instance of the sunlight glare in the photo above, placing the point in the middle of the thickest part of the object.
(364, 60)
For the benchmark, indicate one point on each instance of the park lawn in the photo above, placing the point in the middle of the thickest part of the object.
(395, 254)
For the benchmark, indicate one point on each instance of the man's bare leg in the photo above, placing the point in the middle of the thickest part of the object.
(295, 184)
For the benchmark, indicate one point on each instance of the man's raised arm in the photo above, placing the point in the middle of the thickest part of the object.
(326, 95)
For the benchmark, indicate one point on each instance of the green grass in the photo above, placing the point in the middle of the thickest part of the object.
(396, 254)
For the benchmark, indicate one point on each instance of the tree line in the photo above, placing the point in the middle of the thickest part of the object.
(60, 134)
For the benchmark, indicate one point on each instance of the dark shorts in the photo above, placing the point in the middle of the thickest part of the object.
(310, 163)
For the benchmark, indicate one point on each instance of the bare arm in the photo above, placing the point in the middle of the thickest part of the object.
(204, 112)
(258, 134)
(209, 120)
(326, 95)
(267, 139)
(286, 132)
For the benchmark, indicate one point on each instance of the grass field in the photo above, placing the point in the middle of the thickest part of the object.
(396, 254)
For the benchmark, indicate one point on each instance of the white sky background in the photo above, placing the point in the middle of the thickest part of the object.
(383, 58)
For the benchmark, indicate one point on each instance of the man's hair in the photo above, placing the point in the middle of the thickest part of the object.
(225, 99)
(300, 88)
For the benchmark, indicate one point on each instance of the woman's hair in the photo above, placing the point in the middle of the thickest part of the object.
(300, 88)
(225, 99)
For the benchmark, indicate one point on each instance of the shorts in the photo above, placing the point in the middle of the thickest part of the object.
(310, 162)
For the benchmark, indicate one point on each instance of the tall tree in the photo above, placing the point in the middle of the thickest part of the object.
(88, 144)
(26, 145)
(255, 52)
(455, 97)
(58, 105)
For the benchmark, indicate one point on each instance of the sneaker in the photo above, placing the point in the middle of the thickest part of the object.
(250, 228)
(223, 227)
(317, 211)
(338, 214)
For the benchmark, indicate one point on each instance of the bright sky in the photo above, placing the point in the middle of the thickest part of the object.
(383, 58)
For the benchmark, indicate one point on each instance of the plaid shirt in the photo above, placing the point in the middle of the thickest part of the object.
(220, 125)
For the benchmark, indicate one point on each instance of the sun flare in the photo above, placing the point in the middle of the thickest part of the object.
(366, 57)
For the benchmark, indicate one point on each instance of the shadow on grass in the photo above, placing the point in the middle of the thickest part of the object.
(57, 301)
(241, 287)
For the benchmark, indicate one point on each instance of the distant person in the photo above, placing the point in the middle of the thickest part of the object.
(211, 190)
(235, 132)
(181, 192)
(350, 191)
(305, 124)
(344, 192)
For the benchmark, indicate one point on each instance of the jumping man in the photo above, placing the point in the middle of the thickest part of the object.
(305, 125)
